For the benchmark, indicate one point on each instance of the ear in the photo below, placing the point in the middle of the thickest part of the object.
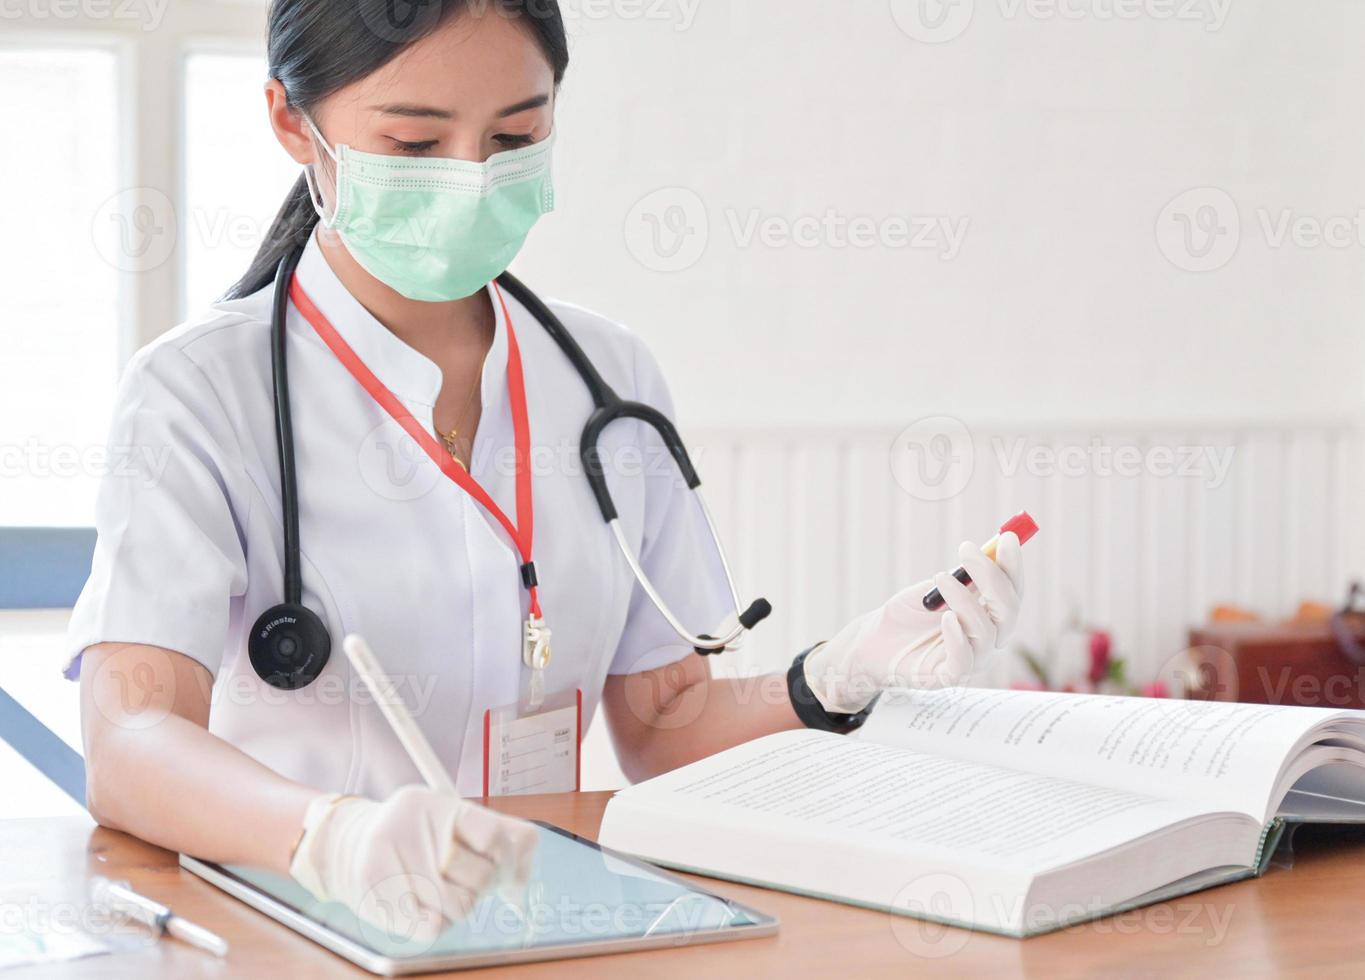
(290, 127)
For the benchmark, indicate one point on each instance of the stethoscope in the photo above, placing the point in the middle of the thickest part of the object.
(289, 644)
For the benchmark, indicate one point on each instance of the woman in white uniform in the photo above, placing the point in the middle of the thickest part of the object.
(426, 150)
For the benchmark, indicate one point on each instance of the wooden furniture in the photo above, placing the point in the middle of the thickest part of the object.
(1302, 920)
(1265, 663)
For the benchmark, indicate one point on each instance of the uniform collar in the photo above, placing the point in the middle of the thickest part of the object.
(409, 374)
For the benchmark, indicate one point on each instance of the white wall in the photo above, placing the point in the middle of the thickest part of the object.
(1059, 141)
(1075, 148)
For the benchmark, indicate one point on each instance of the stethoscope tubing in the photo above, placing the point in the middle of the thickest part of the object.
(284, 434)
(609, 407)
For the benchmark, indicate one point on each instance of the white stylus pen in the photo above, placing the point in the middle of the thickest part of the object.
(419, 750)
(390, 702)
(117, 895)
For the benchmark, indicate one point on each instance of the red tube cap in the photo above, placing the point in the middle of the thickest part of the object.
(1022, 525)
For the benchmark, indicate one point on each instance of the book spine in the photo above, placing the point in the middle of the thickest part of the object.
(1270, 840)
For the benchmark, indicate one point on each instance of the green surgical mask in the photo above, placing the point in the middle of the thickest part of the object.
(436, 229)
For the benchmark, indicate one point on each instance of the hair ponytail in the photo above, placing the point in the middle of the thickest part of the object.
(318, 47)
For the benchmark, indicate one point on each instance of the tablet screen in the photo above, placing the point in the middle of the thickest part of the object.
(577, 894)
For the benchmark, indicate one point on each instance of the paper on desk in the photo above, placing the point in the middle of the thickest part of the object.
(31, 948)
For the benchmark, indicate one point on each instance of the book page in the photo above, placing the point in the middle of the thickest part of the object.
(822, 813)
(888, 794)
(1226, 754)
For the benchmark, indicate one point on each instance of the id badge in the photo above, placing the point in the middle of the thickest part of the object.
(536, 751)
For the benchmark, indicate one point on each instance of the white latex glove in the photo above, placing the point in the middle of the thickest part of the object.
(902, 644)
(411, 864)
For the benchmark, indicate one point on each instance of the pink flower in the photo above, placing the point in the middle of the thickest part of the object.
(1099, 656)
(1027, 686)
(1156, 689)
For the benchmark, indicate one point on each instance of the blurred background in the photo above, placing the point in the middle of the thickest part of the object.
(910, 267)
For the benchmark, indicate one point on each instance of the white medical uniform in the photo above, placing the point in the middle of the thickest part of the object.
(190, 548)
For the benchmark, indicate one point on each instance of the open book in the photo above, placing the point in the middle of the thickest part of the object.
(1009, 811)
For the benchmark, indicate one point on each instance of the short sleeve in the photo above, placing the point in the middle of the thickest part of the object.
(169, 556)
(676, 552)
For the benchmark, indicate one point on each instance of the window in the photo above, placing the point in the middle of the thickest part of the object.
(60, 304)
(107, 244)
(236, 173)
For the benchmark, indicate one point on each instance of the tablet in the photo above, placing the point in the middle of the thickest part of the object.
(582, 900)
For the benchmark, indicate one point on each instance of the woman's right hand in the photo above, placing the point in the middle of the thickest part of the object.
(902, 644)
(411, 864)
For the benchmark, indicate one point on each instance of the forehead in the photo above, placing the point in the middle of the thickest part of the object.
(475, 64)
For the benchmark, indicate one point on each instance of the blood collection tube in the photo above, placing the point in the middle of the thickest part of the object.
(1021, 524)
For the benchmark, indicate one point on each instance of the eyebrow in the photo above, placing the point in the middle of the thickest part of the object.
(410, 111)
(532, 103)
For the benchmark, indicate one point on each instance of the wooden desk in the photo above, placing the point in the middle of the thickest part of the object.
(1302, 921)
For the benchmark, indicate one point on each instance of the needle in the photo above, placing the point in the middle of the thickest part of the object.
(117, 895)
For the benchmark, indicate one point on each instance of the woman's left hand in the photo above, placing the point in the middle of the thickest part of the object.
(902, 644)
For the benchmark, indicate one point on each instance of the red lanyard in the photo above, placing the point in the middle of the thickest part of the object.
(522, 532)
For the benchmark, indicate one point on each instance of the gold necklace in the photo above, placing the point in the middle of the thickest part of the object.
(451, 438)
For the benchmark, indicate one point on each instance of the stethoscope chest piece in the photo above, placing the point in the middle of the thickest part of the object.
(289, 646)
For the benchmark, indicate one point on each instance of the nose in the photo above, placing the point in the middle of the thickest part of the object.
(470, 147)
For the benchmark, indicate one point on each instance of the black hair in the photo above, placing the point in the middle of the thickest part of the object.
(318, 47)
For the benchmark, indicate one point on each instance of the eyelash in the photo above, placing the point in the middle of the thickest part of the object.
(415, 148)
(510, 140)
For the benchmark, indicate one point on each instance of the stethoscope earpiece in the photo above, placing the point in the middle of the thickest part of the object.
(289, 646)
